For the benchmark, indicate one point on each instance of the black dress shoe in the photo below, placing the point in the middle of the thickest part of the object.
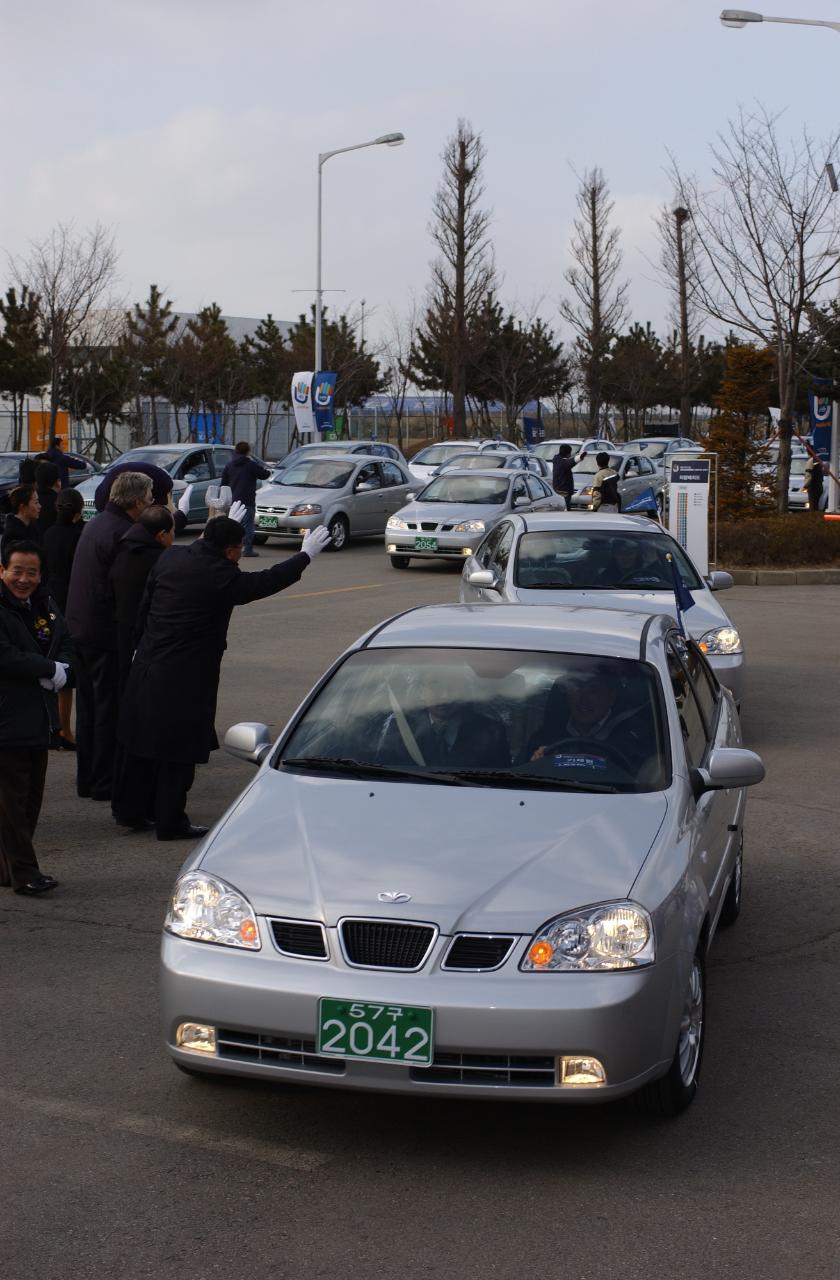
(187, 833)
(41, 884)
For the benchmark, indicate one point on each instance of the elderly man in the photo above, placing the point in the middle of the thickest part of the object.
(90, 618)
(35, 660)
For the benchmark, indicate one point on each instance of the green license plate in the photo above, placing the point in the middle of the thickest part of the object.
(425, 544)
(88, 513)
(267, 522)
(375, 1032)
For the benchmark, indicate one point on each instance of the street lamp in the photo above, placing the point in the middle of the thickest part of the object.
(743, 17)
(386, 140)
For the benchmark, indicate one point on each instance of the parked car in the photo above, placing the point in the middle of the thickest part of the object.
(352, 494)
(439, 883)
(489, 459)
(198, 465)
(333, 448)
(657, 448)
(797, 495)
(425, 463)
(10, 467)
(547, 449)
(635, 472)
(450, 516)
(609, 561)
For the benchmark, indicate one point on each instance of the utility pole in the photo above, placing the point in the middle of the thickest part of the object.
(681, 216)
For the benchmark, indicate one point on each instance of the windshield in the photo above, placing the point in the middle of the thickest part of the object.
(550, 450)
(650, 448)
(597, 560)
(587, 466)
(435, 454)
(485, 490)
(475, 462)
(10, 469)
(152, 457)
(797, 466)
(311, 474)
(489, 717)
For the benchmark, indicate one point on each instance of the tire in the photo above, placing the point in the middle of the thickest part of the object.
(400, 562)
(339, 532)
(675, 1091)
(260, 539)
(731, 908)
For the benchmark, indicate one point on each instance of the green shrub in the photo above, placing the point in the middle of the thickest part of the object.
(799, 541)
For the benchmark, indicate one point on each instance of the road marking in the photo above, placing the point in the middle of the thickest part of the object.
(186, 1135)
(334, 591)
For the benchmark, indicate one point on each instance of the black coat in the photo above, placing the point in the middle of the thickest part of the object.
(60, 543)
(169, 707)
(28, 712)
(137, 552)
(65, 465)
(47, 515)
(15, 530)
(242, 474)
(90, 608)
(562, 477)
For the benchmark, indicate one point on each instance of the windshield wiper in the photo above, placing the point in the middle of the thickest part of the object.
(362, 769)
(498, 777)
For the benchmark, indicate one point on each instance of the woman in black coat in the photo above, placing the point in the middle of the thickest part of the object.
(60, 543)
(22, 524)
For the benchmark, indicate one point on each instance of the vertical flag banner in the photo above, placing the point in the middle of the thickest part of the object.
(302, 403)
(820, 412)
(323, 395)
(688, 509)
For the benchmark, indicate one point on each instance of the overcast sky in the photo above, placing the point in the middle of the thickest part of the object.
(192, 128)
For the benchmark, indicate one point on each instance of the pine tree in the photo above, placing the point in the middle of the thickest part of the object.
(24, 367)
(267, 358)
(736, 431)
(150, 333)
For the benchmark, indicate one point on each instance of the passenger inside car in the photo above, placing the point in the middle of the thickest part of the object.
(441, 729)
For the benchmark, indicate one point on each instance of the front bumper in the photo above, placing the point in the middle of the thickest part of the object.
(287, 526)
(450, 546)
(505, 1027)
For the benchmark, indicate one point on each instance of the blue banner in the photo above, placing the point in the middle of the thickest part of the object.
(206, 427)
(323, 395)
(645, 501)
(533, 429)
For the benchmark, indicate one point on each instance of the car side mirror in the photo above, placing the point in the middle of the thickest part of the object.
(248, 741)
(728, 767)
(192, 477)
(409, 497)
(521, 501)
(720, 581)
(482, 578)
(364, 486)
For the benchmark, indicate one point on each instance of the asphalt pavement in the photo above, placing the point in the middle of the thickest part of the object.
(115, 1164)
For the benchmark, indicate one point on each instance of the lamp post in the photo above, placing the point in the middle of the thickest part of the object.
(387, 140)
(743, 17)
(681, 216)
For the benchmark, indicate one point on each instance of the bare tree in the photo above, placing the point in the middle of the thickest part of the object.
(72, 276)
(396, 354)
(597, 306)
(766, 241)
(465, 271)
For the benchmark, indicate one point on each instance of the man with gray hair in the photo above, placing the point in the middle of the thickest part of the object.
(90, 619)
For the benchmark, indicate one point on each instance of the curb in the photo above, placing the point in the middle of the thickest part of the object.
(786, 577)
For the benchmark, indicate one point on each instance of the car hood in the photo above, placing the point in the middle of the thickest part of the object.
(705, 615)
(281, 495)
(479, 859)
(450, 512)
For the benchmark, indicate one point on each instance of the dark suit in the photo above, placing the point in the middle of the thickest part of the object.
(463, 739)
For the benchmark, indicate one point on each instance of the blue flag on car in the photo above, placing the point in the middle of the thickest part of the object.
(644, 501)
(685, 600)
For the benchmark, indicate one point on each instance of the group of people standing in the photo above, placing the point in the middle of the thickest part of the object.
(605, 494)
(138, 627)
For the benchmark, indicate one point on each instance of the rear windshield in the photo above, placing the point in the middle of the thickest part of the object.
(478, 489)
(488, 717)
(650, 448)
(599, 560)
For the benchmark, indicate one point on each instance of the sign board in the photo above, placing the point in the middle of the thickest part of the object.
(688, 508)
(39, 430)
(302, 403)
(323, 395)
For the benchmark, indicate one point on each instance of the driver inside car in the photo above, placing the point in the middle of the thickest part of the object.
(594, 715)
(623, 563)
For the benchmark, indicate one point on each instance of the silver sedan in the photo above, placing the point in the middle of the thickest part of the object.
(613, 562)
(492, 460)
(636, 474)
(354, 495)
(450, 516)
(487, 857)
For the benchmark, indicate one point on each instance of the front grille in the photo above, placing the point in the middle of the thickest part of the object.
(488, 1069)
(272, 511)
(478, 951)
(299, 938)
(428, 524)
(274, 1051)
(381, 944)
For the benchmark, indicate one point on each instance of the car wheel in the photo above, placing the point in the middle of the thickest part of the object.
(400, 562)
(339, 532)
(261, 539)
(731, 908)
(676, 1090)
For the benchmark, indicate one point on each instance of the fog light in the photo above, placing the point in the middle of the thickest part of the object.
(195, 1037)
(391, 548)
(303, 532)
(466, 551)
(581, 1073)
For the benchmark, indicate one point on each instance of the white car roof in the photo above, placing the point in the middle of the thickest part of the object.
(540, 522)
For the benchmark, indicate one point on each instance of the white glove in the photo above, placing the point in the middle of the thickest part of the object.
(314, 542)
(59, 680)
(238, 512)
(184, 500)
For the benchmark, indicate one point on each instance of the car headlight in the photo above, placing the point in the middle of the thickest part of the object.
(587, 492)
(396, 523)
(306, 509)
(206, 909)
(722, 640)
(615, 935)
(469, 526)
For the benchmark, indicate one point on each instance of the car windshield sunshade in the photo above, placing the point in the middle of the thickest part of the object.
(487, 717)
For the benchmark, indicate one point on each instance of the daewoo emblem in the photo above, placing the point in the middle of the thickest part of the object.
(391, 896)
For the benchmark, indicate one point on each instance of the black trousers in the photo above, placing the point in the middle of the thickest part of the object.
(97, 710)
(155, 789)
(23, 771)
